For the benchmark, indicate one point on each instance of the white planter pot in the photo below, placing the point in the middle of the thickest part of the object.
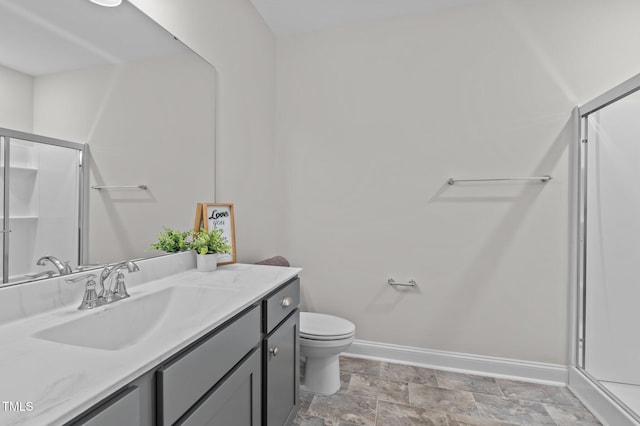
(206, 262)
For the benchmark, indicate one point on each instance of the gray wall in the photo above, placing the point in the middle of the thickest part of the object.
(16, 102)
(232, 36)
(147, 122)
(373, 119)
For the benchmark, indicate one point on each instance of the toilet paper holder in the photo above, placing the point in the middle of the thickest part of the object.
(393, 282)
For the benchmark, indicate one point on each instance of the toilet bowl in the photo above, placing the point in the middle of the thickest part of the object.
(322, 338)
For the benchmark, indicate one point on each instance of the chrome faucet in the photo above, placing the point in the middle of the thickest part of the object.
(62, 269)
(92, 298)
(120, 290)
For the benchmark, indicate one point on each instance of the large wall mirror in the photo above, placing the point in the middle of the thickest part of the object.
(143, 102)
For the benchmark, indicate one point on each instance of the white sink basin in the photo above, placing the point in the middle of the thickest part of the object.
(127, 322)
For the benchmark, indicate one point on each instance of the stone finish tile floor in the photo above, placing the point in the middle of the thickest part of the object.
(376, 393)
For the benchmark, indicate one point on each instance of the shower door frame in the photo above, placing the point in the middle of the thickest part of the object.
(6, 135)
(596, 396)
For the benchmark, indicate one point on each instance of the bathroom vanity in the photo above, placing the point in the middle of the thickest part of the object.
(186, 348)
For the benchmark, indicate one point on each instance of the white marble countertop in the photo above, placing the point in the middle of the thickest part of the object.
(59, 381)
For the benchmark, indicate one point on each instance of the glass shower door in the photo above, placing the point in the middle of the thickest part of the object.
(611, 283)
(5, 223)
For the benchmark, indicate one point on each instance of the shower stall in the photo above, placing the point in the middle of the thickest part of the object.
(606, 365)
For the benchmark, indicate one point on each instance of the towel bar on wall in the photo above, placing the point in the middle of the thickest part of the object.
(393, 282)
(99, 187)
(543, 179)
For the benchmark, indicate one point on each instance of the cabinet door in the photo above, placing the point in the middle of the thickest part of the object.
(183, 381)
(282, 381)
(122, 409)
(236, 401)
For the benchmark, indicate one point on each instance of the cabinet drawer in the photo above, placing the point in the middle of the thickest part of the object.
(280, 304)
(185, 380)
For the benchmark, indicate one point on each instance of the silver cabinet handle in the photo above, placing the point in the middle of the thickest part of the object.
(286, 302)
(273, 351)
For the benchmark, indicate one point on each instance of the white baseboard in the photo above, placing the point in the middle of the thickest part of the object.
(536, 372)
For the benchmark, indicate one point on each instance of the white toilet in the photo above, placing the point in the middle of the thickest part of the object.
(322, 338)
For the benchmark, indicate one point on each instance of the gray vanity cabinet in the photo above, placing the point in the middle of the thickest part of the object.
(281, 355)
(243, 373)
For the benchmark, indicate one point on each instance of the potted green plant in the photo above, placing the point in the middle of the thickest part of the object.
(172, 241)
(207, 245)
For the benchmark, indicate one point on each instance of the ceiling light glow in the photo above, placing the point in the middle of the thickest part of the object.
(107, 3)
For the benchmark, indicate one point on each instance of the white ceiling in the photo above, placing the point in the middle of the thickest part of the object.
(287, 17)
(45, 36)
(40, 37)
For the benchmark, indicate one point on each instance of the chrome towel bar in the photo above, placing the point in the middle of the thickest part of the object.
(393, 282)
(543, 179)
(99, 187)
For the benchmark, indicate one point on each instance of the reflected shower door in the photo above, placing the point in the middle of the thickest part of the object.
(43, 206)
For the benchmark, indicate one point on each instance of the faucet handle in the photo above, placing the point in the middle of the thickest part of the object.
(48, 274)
(120, 290)
(90, 299)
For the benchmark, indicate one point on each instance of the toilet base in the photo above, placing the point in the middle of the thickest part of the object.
(322, 375)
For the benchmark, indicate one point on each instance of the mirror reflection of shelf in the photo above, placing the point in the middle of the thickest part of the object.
(21, 169)
(20, 217)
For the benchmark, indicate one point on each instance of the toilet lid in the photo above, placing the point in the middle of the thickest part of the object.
(323, 326)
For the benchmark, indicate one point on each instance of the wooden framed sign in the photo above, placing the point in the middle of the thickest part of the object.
(197, 224)
(220, 215)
